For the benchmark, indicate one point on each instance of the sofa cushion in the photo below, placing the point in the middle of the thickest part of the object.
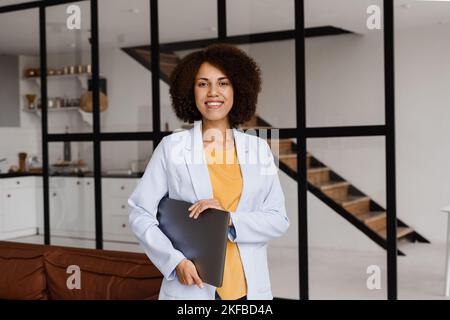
(22, 273)
(103, 275)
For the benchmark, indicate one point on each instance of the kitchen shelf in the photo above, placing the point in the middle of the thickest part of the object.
(81, 77)
(86, 116)
(61, 76)
(75, 108)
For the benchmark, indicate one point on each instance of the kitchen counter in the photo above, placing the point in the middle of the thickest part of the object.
(18, 174)
(81, 175)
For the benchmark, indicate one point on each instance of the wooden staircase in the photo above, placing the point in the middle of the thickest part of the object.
(167, 60)
(343, 197)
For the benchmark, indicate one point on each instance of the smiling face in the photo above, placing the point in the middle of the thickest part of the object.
(213, 93)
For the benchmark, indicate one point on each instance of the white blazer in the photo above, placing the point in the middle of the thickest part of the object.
(178, 167)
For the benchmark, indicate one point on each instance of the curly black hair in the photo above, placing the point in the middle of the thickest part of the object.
(243, 72)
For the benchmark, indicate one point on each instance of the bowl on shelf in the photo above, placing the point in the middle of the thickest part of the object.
(31, 72)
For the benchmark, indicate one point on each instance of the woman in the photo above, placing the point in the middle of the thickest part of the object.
(213, 165)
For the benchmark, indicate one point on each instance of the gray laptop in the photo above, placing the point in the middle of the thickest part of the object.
(202, 240)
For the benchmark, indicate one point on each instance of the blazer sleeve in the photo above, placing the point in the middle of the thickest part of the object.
(143, 206)
(270, 220)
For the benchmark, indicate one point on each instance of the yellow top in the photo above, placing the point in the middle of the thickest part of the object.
(226, 181)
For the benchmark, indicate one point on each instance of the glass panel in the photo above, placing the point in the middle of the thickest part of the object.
(168, 61)
(69, 68)
(254, 16)
(197, 21)
(20, 145)
(72, 196)
(130, 160)
(422, 72)
(185, 27)
(276, 102)
(125, 65)
(283, 252)
(120, 177)
(344, 72)
(345, 263)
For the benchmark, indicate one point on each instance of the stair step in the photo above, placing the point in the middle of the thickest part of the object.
(318, 175)
(376, 220)
(401, 232)
(289, 156)
(356, 205)
(328, 185)
(335, 189)
(163, 57)
(168, 58)
(290, 160)
(284, 145)
(167, 68)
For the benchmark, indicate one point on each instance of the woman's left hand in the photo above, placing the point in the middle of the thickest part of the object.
(198, 207)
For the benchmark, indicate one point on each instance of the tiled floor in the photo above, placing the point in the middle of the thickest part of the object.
(333, 274)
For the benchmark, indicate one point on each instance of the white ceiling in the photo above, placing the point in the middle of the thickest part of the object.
(126, 23)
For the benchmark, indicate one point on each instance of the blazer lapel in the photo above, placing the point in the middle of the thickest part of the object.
(196, 163)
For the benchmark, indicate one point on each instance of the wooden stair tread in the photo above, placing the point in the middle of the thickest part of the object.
(372, 216)
(318, 169)
(162, 55)
(332, 184)
(401, 232)
(292, 155)
(351, 199)
(287, 156)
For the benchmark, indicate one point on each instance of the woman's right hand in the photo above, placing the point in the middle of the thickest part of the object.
(187, 274)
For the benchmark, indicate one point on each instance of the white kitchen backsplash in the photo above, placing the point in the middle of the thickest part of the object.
(17, 140)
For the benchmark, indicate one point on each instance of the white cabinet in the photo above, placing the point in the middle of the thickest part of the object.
(17, 207)
(116, 192)
(55, 202)
(87, 212)
(19, 204)
(72, 207)
(73, 213)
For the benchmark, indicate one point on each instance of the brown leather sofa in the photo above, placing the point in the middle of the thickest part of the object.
(32, 271)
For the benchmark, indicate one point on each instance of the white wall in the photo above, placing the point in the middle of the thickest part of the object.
(423, 133)
(25, 138)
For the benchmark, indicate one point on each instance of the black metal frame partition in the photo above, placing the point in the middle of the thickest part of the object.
(301, 132)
